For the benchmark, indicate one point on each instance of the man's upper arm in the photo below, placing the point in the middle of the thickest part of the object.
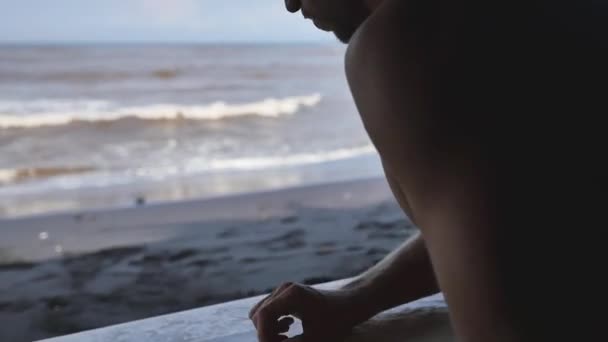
(390, 78)
(393, 76)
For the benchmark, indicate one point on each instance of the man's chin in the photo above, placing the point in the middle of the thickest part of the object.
(344, 36)
(345, 30)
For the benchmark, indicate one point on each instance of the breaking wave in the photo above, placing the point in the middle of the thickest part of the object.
(58, 113)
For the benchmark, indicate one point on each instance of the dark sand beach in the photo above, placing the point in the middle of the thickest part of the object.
(66, 273)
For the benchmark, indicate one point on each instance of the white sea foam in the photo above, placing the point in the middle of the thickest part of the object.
(203, 165)
(261, 163)
(57, 113)
(7, 175)
(191, 167)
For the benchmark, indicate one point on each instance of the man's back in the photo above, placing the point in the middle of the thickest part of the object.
(502, 103)
(487, 117)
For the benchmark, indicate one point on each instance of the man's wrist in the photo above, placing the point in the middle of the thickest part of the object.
(362, 302)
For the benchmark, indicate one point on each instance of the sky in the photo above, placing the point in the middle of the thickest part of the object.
(46, 21)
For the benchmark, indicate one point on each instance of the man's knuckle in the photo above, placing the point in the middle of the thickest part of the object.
(298, 289)
(296, 292)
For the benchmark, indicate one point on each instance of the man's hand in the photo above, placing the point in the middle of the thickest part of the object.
(325, 315)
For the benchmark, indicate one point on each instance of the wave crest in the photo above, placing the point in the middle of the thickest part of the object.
(58, 113)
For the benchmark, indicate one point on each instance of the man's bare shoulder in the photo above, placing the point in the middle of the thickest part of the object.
(394, 75)
(389, 74)
(383, 76)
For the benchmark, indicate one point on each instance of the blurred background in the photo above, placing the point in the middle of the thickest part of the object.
(163, 155)
(107, 103)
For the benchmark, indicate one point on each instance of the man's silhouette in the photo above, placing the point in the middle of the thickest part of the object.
(487, 117)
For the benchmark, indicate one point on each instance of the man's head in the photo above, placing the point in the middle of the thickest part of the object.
(343, 17)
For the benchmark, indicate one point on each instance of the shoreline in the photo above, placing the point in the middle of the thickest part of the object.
(117, 266)
(188, 202)
(186, 189)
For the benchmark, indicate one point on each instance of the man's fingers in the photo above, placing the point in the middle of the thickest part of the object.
(293, 5)
(284, 324)
(289, 302)
(281, 326)
(257, 307)
(275, 292)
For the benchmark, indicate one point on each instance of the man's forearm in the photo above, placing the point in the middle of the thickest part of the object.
(403, 276)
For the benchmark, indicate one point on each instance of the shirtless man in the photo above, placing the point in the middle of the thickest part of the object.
(485, 115)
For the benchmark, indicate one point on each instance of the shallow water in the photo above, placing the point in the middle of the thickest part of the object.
(81, 119)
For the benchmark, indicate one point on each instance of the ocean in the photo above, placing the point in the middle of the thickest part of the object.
(90, 127)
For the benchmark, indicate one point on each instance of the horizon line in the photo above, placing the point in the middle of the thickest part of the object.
(169, 42)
